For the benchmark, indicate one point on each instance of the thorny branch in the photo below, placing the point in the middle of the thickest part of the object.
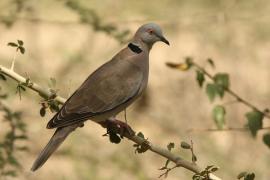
(179, 161)
(232, 93)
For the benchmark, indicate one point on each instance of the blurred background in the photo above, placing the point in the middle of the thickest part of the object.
(69, 39)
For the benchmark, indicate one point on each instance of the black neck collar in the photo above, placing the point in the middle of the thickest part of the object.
(134, 48)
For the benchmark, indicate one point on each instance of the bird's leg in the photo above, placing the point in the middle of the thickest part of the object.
(115, 127)
(126, 116)
(122, 127)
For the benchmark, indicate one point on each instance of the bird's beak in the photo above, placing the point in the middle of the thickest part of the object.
(163, 39)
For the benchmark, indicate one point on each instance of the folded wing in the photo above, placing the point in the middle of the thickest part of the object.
(108, 87)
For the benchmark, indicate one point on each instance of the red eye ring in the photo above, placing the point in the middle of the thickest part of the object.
(150, 31)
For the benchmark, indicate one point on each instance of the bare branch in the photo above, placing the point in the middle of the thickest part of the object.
(43, 92)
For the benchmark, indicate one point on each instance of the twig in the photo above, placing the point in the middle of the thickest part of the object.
(179, 161)
(231, 92)
(226, 129)
(165, 174)
(193, 158)
(230, 102)
(13, 61)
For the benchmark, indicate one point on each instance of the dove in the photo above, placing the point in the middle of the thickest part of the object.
(107, 91)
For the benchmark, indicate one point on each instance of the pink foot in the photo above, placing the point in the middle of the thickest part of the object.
(115, 127)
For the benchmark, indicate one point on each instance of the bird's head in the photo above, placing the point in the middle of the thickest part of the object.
(150, 33)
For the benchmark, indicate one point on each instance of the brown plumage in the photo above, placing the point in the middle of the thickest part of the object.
(107, 91)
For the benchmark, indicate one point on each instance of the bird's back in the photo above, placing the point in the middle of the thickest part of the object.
(111, 86)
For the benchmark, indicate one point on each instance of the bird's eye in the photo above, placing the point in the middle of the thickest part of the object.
(150, 31)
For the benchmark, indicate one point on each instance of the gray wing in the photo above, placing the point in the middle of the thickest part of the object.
(108, 87)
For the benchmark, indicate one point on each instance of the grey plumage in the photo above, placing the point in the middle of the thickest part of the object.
(55, 141)
(107, 91)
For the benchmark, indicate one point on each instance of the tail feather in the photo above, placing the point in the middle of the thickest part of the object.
(55, 141)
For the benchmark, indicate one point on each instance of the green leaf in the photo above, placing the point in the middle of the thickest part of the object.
(218, 115)
(11, 173)
(21, 126)
(13, 161)
(10, 136)
(17, 115)
(140, 134)
(42, 111)
(198, 177)
(22, 148)
(214, 169)
(20, 42)
(222, 83)
(3, 96)
(3, 77)
(250, 176)
(185, 145)
(211, 169)
(266, 139)
(254, 121)
(220, 91)
(189, 61)
(200, 78)
(222, 79)
(211, 91)
(241, 175)
(12, 44)
(54, 106)
(22, 49)
(170, 146)
(211, 62)
(53, 94)
(22, 88)
(194, 158)
(23, 137)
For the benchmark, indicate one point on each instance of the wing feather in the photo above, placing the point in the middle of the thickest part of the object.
(108, 87)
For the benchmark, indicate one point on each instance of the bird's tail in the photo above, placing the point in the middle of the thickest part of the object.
(55, 141)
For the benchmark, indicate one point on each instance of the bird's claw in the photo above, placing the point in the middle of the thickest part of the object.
(120, 127)
(116, 128)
